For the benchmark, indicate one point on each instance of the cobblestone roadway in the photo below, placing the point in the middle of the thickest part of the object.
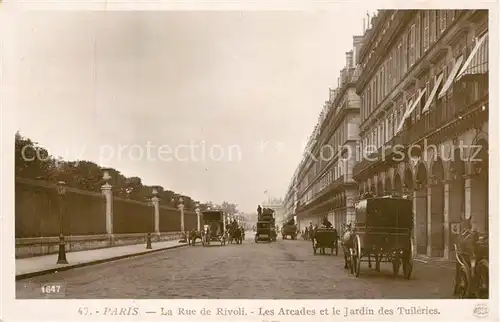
(283, 270)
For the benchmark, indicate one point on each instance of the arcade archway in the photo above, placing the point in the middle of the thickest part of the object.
(380, 188)
(437, 208)
(387, 186)
(421, 222)
(456, 193)
(398, 186)
(479, 187)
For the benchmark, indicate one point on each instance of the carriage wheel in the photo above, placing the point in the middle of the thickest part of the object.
(356, 257)
(256, 239)
(396, 262)
(463, 284)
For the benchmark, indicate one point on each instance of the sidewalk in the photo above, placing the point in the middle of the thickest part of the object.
(40, 265)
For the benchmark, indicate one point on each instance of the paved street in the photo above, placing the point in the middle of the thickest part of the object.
(285, 269)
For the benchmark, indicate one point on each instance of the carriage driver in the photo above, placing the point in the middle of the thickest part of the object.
(326, 223)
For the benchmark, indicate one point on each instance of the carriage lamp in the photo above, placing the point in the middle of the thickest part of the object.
(61, 191)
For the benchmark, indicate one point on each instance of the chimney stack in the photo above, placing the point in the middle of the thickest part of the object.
(349, 59)
(357, 44)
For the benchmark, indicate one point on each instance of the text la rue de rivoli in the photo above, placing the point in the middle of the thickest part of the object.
(345, 311)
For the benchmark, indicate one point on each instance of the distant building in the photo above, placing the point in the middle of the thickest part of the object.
(278, 205)
(324, 182)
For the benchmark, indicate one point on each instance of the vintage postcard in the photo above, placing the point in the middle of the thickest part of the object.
(280, 162)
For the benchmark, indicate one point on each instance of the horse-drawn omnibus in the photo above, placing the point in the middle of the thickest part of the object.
(266, 228)
(382, 232)
(214, 228)
(325, 238)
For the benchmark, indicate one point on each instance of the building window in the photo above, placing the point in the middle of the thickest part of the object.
(400, 67)
(425, 28)
(411, 46)
(442, 20)
(432, 26)
(381, 131)
(389, 74)
(385, 70)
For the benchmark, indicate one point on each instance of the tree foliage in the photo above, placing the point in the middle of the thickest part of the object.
(32, 161)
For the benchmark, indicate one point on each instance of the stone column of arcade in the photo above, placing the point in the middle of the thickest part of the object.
(437, 215)
(454, 200)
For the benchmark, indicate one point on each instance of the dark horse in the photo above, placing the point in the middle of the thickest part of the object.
(193, 235)
(347, 245)
(235, 234)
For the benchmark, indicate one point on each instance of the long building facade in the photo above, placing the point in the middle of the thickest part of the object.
(325, 184)
(424, 118)
(416, 108)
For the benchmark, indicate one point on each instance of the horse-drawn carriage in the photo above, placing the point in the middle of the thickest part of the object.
(289, 229)
(323, 238)
(235, 233)
(263, 232)
(382, 232)
(265, 228)
(472, 265)
(214, 228)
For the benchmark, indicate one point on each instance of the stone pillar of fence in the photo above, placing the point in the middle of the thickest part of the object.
(107, 192)
(156, 204)
(181, 208)
(198, 215)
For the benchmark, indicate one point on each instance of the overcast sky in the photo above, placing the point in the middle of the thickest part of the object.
(89, 82)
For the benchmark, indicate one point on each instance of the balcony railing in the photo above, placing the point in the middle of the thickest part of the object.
(466, 92)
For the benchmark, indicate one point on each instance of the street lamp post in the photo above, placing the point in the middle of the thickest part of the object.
(61, 191)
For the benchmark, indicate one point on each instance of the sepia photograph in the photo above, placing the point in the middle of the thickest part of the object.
(311, 155)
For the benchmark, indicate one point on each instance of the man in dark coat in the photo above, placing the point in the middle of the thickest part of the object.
(326, 223)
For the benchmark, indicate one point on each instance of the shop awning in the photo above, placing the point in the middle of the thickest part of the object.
(451, 77)
(479, 67)
(433, 93)
(410, 110)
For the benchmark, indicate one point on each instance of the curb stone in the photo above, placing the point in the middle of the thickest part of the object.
(94, 262)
